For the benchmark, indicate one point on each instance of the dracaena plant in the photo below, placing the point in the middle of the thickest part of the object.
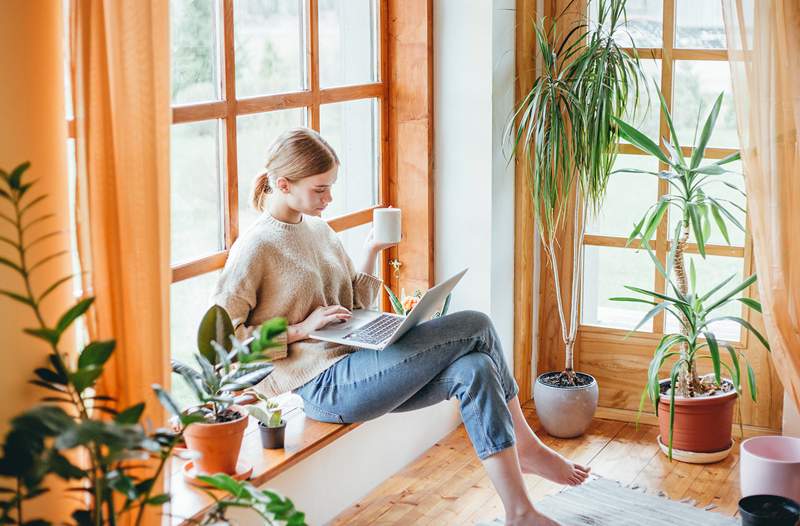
(122, 459)
(563, 135)
(694, 198)
(226, 364)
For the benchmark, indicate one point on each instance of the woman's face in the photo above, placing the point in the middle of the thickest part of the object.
(311, 195)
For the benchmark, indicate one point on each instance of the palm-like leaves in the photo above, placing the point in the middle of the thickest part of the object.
(564, 135)
(689, 182)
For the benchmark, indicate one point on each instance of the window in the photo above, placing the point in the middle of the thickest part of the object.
(243, 71)
(682, 46)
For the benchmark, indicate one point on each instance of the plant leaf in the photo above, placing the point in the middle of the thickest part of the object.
(705, 135)
(72, 314)
(96, 353)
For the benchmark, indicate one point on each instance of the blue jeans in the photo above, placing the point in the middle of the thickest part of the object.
(457, 355)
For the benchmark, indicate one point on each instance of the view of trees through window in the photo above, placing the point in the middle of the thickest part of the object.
(295, 63)
(689, 63)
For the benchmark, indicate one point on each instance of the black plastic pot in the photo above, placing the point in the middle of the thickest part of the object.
(769, 510)
(272, 437)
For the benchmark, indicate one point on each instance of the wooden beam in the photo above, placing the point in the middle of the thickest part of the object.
(410, 50)
(523, 212)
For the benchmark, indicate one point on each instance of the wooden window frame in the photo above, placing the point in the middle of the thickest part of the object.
(633, 349)
(230, 108)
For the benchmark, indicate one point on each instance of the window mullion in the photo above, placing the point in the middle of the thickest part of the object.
(662, 234)
(313, 61)
(230, 174)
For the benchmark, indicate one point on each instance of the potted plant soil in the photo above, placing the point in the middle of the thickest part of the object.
(271, 425)
(563, 135)
(226, 366)
(695, 412)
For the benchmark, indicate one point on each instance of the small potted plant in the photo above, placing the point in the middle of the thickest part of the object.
(232, 367)
(271, 424)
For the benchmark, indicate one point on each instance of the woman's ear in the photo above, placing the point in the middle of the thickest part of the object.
(283, 185)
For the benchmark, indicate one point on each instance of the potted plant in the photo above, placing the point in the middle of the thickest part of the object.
(271, 424)
(233, 366)
(563, 134)
(685, 392)
(74, 422)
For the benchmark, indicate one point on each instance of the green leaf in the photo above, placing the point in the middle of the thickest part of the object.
(158, 500)
(744, 324)
(729, 158)
(751, 382)
(15, 178)
(397, 306)
(85, 377)
(222, 482)
(54, 286)
(717, 287)
(62, 467)
(655, 219)
(697, 227)
(710, 169)
(50, 376)
(720, 223)
(670, 125)
(713, 349)
(72, 314)
(750, 302)
(96, 353)
(673, 378)
(48, 335)
(637, 229)
(130, 415)
(258, 413)
(215, 326)
(640, 140)
(705, 135)
(692, 276)
(739, 288)
(166, 400)
(18, 297)
(10, 264)
(737, 371)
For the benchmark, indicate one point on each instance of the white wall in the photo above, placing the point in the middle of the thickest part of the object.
(474, 184)
(474, 221)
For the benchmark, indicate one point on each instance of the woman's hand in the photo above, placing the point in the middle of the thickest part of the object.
(372, 246)
(319, 318)
(371, 250)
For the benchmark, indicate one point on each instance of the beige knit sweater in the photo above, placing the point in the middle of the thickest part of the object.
(283, 269)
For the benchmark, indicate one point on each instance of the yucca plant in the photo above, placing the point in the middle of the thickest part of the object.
(564, 135)
(695, 312)
(692, 196)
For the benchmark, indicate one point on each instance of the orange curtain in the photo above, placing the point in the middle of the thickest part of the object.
(122, 108)
(764, 53)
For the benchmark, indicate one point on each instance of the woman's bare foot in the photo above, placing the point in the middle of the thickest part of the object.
(530, 517)
(543, 461)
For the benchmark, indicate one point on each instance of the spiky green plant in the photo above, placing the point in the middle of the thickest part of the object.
(692, 189)
(563, 134)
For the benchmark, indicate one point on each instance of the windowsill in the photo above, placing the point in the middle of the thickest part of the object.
(303, 438)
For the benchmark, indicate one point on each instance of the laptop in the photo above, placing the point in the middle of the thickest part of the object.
(371, 329)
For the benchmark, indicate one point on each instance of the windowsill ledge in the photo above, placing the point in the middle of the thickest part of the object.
(303, 438)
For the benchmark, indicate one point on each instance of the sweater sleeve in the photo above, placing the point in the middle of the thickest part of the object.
(237, 291)
(365, 286)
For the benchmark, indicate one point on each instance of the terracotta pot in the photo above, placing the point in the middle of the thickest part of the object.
(218, 444)
(565, 412)
(702, 425)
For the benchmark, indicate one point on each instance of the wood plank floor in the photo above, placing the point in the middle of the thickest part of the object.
(448, 486)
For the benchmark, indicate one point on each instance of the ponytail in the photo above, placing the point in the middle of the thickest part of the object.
(261, 188)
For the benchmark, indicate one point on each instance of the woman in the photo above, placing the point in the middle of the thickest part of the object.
(290, 263)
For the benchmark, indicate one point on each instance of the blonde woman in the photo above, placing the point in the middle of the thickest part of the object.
(291, 263)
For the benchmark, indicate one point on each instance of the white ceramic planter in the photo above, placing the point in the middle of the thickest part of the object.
(770, 465)
(565, 412)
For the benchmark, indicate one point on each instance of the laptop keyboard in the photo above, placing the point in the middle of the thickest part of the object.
(376, 331)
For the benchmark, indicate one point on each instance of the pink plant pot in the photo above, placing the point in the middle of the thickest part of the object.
(770, 465)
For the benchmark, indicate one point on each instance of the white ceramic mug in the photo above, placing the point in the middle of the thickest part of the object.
(386, 224)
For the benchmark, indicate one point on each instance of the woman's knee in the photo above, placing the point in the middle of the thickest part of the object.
(472, 318)
(474, 369)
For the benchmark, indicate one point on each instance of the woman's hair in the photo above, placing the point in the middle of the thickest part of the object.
(297, 153)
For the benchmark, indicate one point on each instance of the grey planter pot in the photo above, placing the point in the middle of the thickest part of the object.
(565, 412)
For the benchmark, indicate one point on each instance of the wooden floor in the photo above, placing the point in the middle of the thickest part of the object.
(448, 486)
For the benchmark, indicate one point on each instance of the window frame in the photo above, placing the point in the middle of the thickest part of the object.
(668, 55)
(229, 108)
